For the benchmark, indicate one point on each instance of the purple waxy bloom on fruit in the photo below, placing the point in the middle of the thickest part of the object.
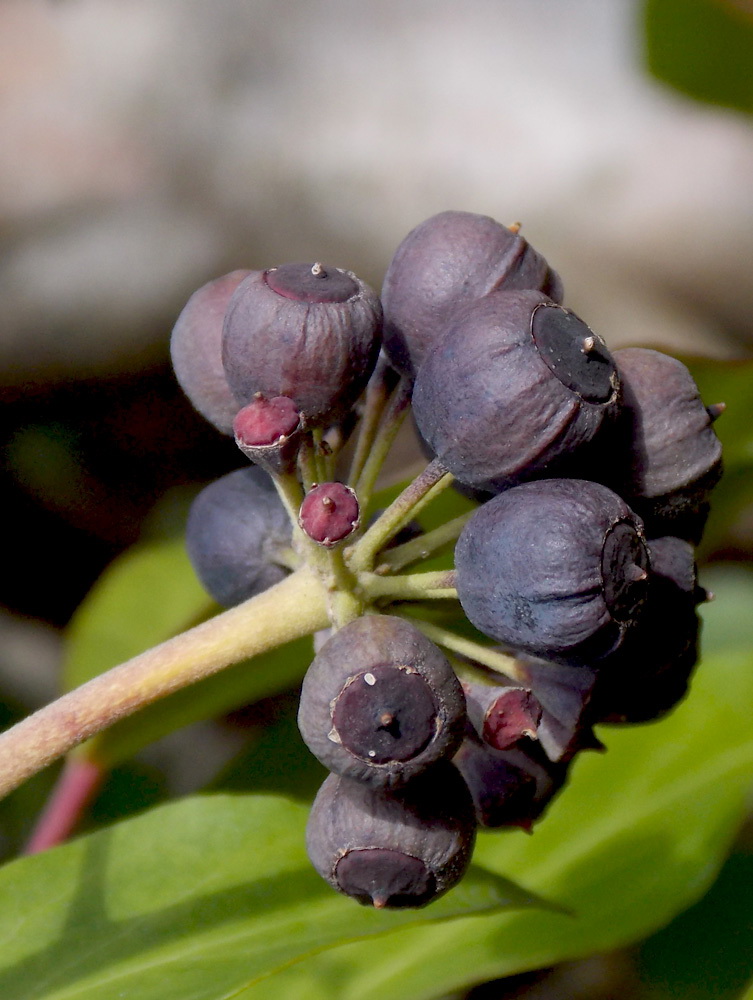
(305, 331)
(671, 457)
(509, 787)
(448, 261)
(556, 568)
(393, 848)
(196, 351)
(380, 702)
(516, 388)
(236, 526)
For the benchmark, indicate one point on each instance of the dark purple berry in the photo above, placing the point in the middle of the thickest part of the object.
(448, 261)
(515, 389)
(236, 526)
(268, 431)
(508, 787)
(304, 331)
(555, 568)
(196, 350)
(380, 702)
(329, 513)
(672, 456)
(649, 674)
(393, 849)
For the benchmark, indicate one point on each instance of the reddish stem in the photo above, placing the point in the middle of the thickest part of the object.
(76, 786)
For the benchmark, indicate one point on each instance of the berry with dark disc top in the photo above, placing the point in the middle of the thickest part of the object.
(393, 849)
(556, 568)
(380, 702)
(516, 388)
(305, 331)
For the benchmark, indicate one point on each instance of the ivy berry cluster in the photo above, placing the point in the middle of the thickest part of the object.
(592, 471)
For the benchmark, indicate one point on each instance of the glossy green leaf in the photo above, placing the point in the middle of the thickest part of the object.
(728, 382)
(703, 48)
(191, 901)
(638, 835)
(145, 596)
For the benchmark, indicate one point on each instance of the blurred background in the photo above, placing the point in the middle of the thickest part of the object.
(150, 146)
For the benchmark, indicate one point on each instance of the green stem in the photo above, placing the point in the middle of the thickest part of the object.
(307, 463)
(290, 492)
(429, 484)
(410, 587)
(394, 414)
(343, 604)
(293, 608)
(377, 393)
(467, 647)
(424, 545)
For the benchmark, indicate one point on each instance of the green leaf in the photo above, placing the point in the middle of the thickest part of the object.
(637, 836)
(728, 382)
(703, 48)
(145, 596)
(193, 900)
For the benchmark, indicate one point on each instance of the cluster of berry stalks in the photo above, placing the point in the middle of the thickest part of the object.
(592, 471)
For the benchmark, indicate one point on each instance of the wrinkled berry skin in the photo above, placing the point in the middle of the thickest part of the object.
(556, 568)
(196, 351)
(380, 702)
(393, 849)
(511, 393)
(448, 261)
(308, 332)
(235, 527)
(673, 457)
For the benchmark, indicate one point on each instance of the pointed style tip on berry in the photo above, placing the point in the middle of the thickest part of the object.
(268, 431)
(378, 902)
(329, 513)
(515, 227)
(708, 597)
(589, 343)
(318, 271)
(635, 573)
(715, 411)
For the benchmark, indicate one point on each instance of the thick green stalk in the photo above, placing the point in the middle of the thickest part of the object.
(295, 607)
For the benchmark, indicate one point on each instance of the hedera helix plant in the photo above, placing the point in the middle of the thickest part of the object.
(592, 472)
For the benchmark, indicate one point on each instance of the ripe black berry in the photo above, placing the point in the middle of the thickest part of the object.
(380, 702)
(392, 848)
(672, 456)
(236, 526)
(556, 568)
(196, 351)
(508, 787)
(649, 674)
(513, 390)
(448, 261)
(304, 331)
